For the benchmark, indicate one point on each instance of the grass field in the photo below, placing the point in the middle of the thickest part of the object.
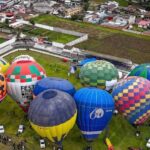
(2, 40)
(51, 35)
(121, 132)
(105, 40)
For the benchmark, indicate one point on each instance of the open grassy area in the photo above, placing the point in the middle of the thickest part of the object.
(121, 132)
(50, 35)
(2, 40)
(105, 40)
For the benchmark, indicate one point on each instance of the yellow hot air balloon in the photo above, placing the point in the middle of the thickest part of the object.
(52, 114)
(3, 65)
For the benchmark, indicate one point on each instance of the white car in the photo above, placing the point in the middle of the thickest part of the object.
(42, 143)
(20, 129)
(2, 129)
(148, 143)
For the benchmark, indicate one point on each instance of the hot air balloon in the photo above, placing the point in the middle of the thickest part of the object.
(2, 87)
(132, 99)
(99, 74)
(95, 108)
(87, 60)
(142, 70)
(21, 78)
(23, 57)
(52, 114)
(54, 83)
(3, 65)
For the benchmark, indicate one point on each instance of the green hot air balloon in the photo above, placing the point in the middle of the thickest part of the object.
(100, 74)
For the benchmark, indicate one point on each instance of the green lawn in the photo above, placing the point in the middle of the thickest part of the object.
(121, 132)
(51, 35)
(2, 40)
(105, 40)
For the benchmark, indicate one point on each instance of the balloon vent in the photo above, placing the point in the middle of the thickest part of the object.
(49, 94)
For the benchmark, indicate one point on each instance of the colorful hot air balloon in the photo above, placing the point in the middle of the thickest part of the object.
(54, 83)
(132, 99)
(21, 78)
(95, 108)
(23, 57)
(142, 70)
(3, 65)
(99, 74)
(2, 87)
(52, 114)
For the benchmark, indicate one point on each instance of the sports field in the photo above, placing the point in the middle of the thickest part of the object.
(105, 40)
(121, 133)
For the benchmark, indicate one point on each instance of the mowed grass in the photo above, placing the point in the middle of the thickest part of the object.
(121, 133)
(105, 40)
(50, 35)
(2, 40)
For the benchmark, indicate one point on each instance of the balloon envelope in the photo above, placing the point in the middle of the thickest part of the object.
(2, 87)
(23, 58)
(52, 114)
(95, 108)
(142, 70)
(132, 99)
(99, 74)
(3, 65)
(54, 83)
(21, 78)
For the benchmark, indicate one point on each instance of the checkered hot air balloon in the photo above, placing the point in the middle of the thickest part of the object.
(23, 57)
(142, 70)
(132, 99)
(21, 78)
(99, 73)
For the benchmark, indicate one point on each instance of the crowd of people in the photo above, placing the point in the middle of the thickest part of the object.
(6, 140)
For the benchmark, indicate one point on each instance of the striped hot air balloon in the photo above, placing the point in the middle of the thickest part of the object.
(95, 108)
(54, 83)
(132, 99)
(142, 70)
(52, 114)
(21, 78)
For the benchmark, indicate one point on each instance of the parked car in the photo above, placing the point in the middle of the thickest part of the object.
(21, 128)
(42, 143)
(2, 129)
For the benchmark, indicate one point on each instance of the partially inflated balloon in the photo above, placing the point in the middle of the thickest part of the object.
(23, 58)
(100, 74)
(2, 87)
(52, 114)
(21, 79)
(3, 65)
(54, 83)
(142, 70)
(95, 108)
(132, 99)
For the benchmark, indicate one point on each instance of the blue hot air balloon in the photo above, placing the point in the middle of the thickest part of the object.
(95, 109)
(54, 83)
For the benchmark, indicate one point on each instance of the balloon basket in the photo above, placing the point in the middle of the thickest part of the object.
(57, 147)
(88, 148)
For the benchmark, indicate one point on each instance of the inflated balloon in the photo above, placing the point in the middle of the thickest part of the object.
(2, 87)
(95, 108)
(132, 99)
(3, 65)
(52, 114)
(54, 83)
(21, 79)
(142, 70)
(99, 74)
(23, 57)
